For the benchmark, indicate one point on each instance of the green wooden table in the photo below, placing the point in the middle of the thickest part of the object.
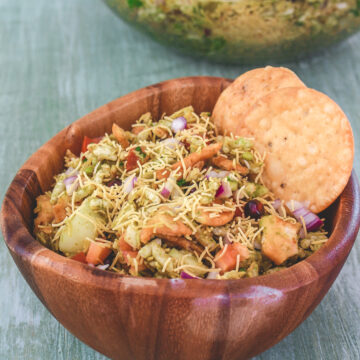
(61, 59)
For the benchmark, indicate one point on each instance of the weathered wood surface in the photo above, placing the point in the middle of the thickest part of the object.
(61, 59)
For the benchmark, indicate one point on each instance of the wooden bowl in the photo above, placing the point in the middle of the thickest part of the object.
(131, 318)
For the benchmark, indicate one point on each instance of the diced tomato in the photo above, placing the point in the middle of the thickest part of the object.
(238, 212)
(97, 254)
(227, 261)
(81, 257)
(123, 245)
(135, 155)
(87, 141)
(132, 160)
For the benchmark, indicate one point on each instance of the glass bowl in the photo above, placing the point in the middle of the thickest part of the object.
(243, 31)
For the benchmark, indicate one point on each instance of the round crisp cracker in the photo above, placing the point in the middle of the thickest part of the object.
(238, 98)
(308, 142)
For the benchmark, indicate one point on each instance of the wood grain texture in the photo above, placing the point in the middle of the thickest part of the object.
(130, 318)
(62, 59)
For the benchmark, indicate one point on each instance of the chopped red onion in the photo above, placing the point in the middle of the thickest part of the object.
(218, 175)
(129, 184)
(165, 192)
(315, 224)
(70, 180)
(71, 172)
(312, 221)
(293, 205)
(171, 143)
(71, 184)
(276, 204)
(185, 275)
(224, 191)
(167, 189)
(178, 124)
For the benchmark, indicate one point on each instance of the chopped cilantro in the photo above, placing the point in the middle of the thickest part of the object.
(141, 153)
(134, 4)
(181, 182)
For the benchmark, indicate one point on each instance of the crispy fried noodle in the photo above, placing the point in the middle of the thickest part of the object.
(170, 199)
